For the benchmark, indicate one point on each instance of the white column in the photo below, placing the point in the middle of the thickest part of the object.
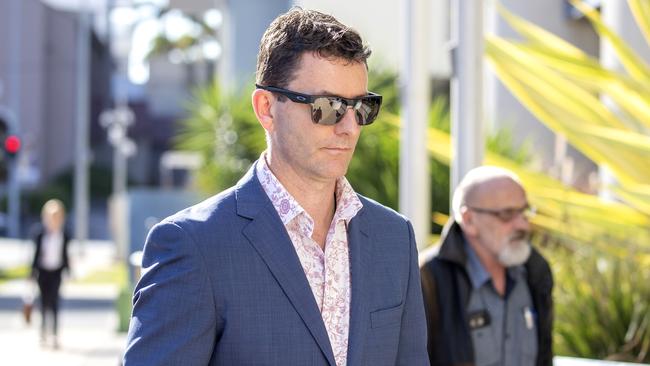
(414, 180)
(466, 88)
(617, 15)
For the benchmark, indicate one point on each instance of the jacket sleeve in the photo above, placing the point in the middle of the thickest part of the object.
(540, 283)
(413, 336)
(174, 317)
(37, 253)
(66, 252)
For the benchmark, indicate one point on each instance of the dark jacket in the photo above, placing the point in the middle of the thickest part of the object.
(38, 241)
(446, 287)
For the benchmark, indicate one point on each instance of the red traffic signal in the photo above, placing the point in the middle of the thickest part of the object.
(12, 144)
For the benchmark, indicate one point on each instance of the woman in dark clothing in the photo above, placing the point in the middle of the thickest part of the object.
(50, 259)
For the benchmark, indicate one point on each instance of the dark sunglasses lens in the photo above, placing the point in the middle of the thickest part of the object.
(327, 111)
(330, 110)
(368, 110)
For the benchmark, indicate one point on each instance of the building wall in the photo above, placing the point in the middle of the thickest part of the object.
(61, 88)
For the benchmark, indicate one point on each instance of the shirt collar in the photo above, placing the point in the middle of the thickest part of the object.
(477, 273)
(53, 234)
(283, 202)
(348, 203)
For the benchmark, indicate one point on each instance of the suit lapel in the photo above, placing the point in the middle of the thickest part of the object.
(360, 259)
(269, 237)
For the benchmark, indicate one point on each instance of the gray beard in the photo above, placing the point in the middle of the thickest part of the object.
(515, 253)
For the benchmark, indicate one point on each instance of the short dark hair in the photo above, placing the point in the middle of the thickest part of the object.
(298, 31)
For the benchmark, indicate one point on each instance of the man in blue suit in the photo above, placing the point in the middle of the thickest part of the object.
(290, 266)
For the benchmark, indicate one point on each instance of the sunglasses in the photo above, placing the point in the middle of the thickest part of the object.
(507, 214)
(330, 109)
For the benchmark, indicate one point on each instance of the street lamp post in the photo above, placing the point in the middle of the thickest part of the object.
(116, 122)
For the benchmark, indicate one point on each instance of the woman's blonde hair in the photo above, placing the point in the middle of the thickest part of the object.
(53, 206)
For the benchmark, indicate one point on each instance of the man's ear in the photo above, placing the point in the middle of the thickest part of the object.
(262, 102)
(469, 226)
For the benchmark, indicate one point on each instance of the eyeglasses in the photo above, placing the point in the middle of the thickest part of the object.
(507, 214)
(330, 109)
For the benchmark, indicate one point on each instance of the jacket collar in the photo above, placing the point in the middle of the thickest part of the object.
(360, 246)
(452, 248)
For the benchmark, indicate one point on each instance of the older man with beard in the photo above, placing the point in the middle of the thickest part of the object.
(487, 292)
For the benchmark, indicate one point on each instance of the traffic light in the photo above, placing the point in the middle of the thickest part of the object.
(10, 146)
(10, 143)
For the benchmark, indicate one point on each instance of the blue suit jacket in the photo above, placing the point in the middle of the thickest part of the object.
(223, 285)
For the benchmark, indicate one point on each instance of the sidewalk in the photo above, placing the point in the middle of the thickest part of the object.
(87, 319)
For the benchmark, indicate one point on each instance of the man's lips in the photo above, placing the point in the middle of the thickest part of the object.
(337, 148)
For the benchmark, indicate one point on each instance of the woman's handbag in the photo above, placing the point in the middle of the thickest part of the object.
(27, 311)
(28, 301)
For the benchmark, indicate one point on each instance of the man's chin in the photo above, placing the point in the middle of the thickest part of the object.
(515, 254)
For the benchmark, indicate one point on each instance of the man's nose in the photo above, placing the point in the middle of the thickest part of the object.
(348, 124)
(521, 222)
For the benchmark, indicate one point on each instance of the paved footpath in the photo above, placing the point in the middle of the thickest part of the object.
(87, 318)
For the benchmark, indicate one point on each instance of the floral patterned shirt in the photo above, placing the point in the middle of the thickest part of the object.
(328, 271)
